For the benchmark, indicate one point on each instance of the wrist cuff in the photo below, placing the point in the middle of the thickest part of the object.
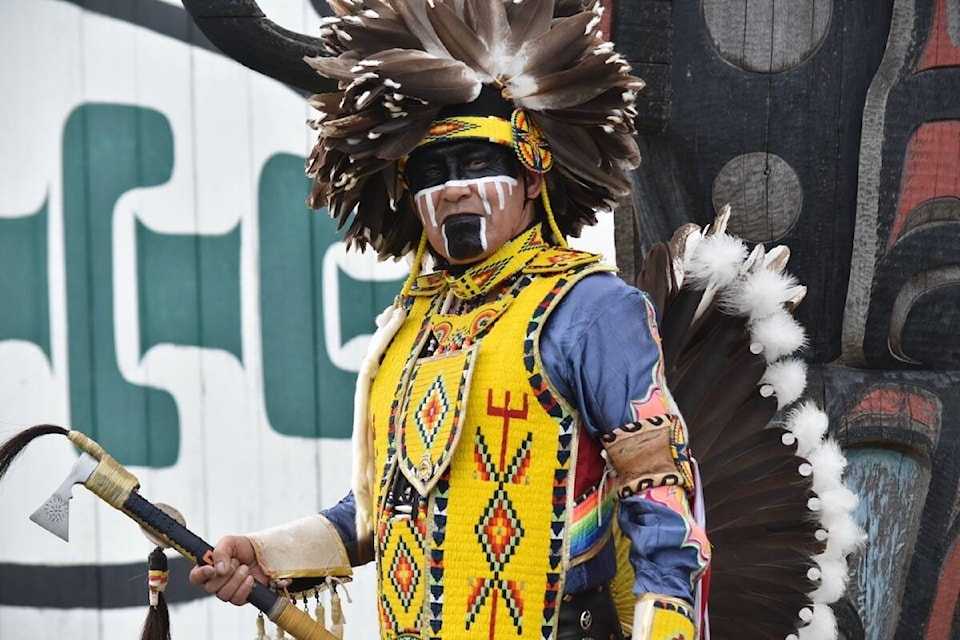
(662, 618)
(649, 453)
(306, 548)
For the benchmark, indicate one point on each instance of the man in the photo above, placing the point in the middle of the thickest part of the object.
(516, 388)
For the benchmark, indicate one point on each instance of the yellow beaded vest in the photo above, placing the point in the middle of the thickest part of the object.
(461, 407)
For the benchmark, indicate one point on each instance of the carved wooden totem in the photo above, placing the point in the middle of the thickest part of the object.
(833, 127)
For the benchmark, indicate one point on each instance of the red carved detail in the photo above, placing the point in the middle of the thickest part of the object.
(888, 401)
(931, 170)
(606, 22)
(940, 50)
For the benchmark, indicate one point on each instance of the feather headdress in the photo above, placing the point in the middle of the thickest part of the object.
(398, 63)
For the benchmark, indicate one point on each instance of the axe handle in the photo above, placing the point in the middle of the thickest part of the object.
(278, 609)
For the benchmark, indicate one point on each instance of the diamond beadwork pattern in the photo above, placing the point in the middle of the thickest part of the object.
(432, 410)
(499, 530)
(405, 572)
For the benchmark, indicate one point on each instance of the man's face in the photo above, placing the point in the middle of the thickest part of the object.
(471, 197)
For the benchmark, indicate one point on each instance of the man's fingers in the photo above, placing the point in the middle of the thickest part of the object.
(201, 574)
(221, 559)
(234, 589)
(244, 588)
(229, 578)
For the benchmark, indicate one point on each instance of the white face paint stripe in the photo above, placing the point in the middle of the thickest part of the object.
(424, 197)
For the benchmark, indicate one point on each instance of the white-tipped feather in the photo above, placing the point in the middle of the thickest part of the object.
(788, 379)
(780, 334)
(823, 625)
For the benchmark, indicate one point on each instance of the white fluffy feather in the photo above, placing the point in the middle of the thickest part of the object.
(828, 464)
(715, 260)
(809, 424)
(780, 335)
(833, 579)
(845, 536)
(788, 379)
(837, 504)
(822, 625)
(759, 294)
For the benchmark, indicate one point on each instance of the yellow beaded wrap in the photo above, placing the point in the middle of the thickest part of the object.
(299, 624)
(110, 480)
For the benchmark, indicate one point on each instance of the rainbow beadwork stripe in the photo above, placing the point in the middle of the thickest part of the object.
(590, 524)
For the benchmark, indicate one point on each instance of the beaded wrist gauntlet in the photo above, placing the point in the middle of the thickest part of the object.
(662, 618)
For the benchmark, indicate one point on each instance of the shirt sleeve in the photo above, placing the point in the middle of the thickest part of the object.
(601, 349)
(343, 518)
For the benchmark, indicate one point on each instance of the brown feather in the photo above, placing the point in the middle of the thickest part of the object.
(414, 15)
(528, 20)
(570, 87)
(366, 36)
(655, 274)
(488, 20)
(337, 68)
(558, 48)
(438, 81)
(460, 40)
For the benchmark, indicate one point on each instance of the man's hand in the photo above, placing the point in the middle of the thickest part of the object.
(234, 569)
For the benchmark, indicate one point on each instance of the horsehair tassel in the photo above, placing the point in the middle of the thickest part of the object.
(157, 625)
(12, 447)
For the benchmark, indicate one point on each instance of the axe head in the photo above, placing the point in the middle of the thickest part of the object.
(54, 514)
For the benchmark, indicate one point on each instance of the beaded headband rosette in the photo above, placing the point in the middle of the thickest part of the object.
(400, 63)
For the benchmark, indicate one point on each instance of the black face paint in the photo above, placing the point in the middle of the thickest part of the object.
(437, 163)
(465, 237)
(465, 234)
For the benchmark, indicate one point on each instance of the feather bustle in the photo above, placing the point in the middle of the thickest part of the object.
(768, 506)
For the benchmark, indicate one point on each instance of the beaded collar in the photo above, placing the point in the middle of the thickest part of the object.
(482, 278)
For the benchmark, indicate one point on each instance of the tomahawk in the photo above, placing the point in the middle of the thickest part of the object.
(114, 484)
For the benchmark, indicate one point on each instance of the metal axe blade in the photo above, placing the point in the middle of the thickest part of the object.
(54, 514)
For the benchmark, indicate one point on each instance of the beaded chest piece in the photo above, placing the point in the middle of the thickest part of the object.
(462, 411)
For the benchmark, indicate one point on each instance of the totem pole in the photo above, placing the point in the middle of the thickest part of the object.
(833, 128)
